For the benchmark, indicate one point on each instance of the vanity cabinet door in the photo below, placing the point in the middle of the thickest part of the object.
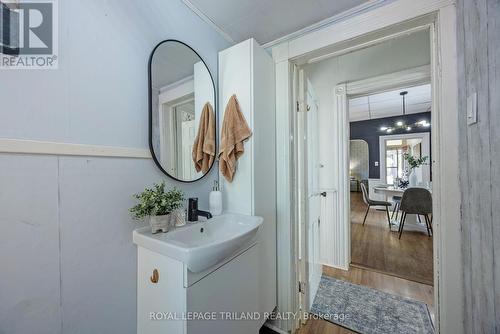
(226, 294)
(160, 293)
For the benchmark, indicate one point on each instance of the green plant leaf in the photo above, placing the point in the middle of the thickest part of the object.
(156, 201)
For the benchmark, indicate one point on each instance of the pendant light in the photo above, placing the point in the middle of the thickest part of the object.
(400, 125)
(403, 94)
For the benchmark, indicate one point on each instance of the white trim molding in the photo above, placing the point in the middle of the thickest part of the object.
(22, 146)
(187, 80)
(370, 41)
(406, 78)
(339, 222)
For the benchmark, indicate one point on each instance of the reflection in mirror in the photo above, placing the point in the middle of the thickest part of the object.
(180, 87)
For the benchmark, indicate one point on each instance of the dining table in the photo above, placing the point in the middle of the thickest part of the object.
(412, 223)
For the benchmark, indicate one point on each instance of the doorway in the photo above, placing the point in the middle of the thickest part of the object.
(397, 131)
(177, 134)
(380, 24)
(338, 176)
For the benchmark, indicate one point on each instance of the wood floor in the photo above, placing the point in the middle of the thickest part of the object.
(372, 279)
(374, 246)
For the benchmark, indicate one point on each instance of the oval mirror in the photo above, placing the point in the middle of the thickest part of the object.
(181, 96)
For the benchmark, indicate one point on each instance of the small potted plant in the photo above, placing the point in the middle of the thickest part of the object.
(414, 163)
(156, 204)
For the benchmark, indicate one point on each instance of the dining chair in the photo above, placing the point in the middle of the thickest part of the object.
(396, 201)
(370, 202)
(416, 201)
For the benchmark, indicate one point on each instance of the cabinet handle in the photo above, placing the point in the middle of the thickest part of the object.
(156, 276)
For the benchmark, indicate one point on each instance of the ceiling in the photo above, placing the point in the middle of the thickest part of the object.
(171, 63)
(266, 20)
(390, 104)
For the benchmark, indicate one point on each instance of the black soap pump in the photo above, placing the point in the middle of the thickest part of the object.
(193, 209)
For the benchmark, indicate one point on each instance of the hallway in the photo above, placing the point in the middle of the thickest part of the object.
(375, 248)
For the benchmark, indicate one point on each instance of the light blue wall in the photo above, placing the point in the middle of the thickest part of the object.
(67, 262)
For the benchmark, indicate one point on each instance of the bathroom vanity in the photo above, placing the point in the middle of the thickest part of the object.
(207, 277)
(199, 278)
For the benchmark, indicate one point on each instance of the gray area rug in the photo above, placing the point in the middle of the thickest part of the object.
(367, 310)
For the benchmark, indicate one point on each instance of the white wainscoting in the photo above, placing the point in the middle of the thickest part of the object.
(334, 250)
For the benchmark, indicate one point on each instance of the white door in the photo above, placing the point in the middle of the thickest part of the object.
(313, 192)
(188, 137)
(308, 192)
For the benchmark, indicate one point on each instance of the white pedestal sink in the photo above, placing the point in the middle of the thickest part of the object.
(202, 245)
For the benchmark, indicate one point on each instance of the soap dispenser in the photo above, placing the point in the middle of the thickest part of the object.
(215, 200)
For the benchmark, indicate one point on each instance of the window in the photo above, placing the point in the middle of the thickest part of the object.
(394, 162)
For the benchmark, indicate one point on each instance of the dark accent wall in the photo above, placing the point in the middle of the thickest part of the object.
(369, 131)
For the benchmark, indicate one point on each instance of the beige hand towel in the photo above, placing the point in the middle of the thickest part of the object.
(234, 131)
(204, 144)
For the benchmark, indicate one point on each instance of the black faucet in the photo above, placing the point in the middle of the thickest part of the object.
(193, 211)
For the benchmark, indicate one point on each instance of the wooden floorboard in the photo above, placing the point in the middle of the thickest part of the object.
(374, 246)
(375, 280)
(318, 326)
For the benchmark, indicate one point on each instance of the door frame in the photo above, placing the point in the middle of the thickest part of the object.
(301, 190)
(377, 25)
(166, 108)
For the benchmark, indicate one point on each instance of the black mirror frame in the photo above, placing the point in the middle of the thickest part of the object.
(150, 99)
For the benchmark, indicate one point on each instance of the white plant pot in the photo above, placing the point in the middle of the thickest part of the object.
(159, 223)
(413, 179)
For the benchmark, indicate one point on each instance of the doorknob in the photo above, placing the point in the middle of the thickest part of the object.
(323, 194)
(156, 276)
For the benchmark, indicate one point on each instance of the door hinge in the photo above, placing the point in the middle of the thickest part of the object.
(302, 287)
(299, 109)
